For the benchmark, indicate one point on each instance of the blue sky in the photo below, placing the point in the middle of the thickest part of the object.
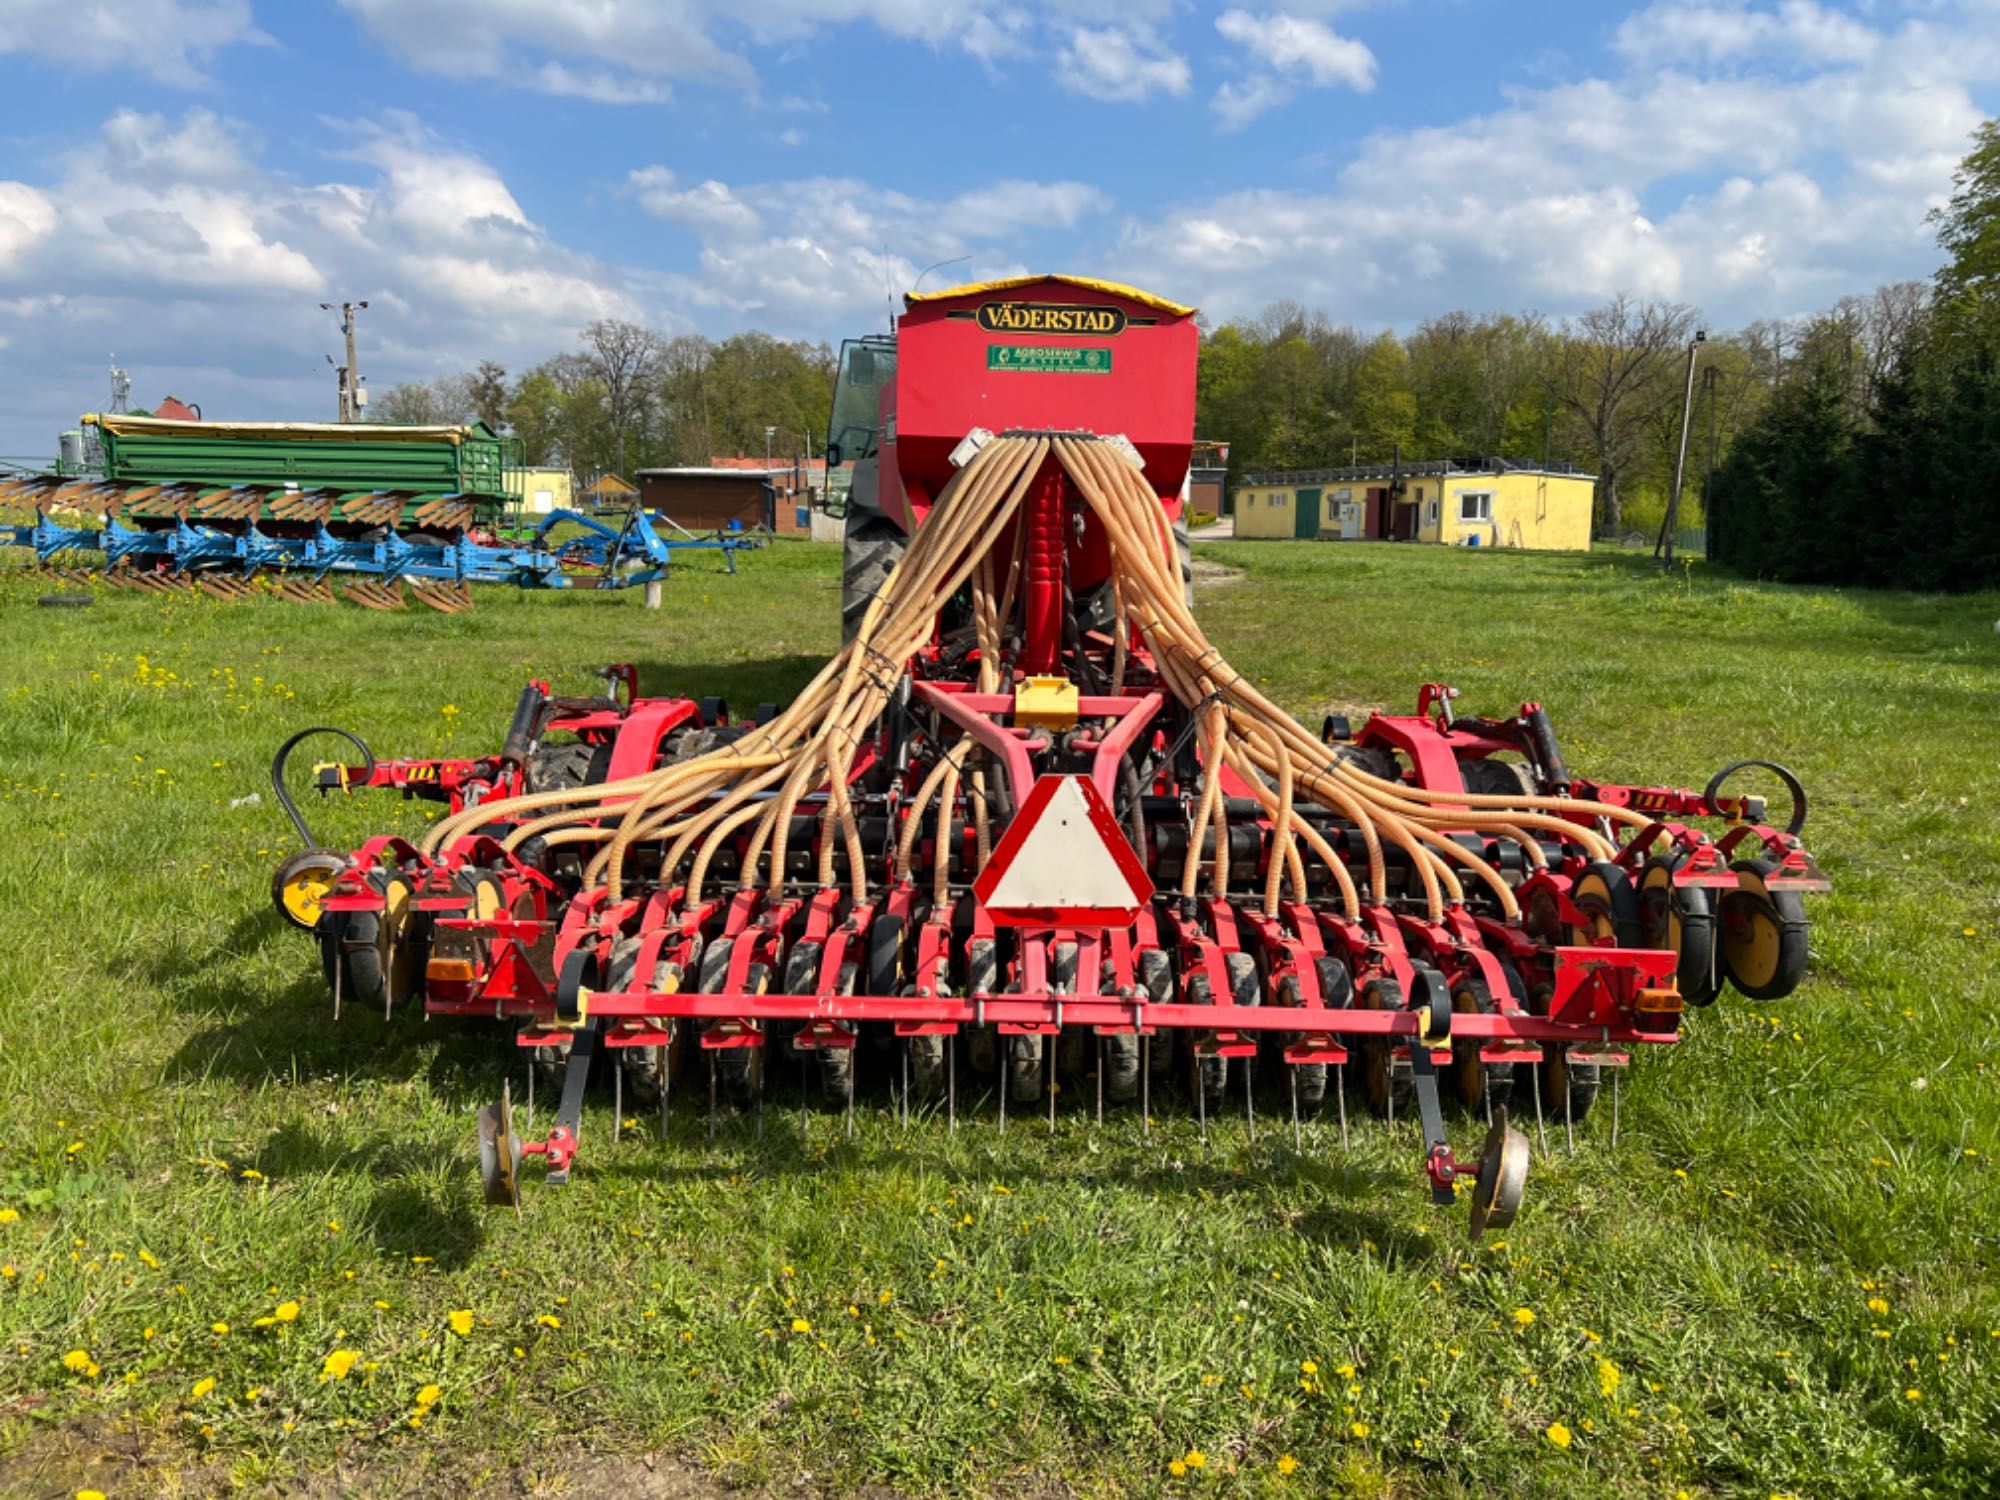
(183, 181)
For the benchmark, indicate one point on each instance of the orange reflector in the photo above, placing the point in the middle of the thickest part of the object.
(1659, 1002)
(449, 970)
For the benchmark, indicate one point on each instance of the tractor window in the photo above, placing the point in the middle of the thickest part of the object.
(866, 366)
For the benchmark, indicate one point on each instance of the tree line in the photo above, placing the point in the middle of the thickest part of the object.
(1876, 459)
(629, 398)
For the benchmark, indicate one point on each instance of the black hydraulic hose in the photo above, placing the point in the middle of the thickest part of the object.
(1549, 761)
(526, 727)
(278, 774)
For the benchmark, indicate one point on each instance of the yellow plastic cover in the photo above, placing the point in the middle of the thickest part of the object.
(366, 432)
(1010, 283)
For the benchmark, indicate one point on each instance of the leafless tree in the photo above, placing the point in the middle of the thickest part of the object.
(626, 358)
(1612, 367)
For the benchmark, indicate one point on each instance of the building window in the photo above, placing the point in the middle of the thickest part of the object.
(1475, 507)
(1431, 513)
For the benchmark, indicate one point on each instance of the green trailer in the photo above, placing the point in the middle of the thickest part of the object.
(470, 463)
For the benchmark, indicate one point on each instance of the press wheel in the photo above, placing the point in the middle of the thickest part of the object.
(1477, 1085)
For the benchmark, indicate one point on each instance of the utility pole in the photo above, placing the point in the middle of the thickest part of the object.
(1680, 458)
(1708, 381)
(350, 380)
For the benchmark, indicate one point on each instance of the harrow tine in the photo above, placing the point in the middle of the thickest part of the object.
(1100, 1082)
(531, 1091)
(339, 966)
(1340, 1097)
(617, 1102)
(666, 1089)
(903, 1099)
(1049, 1074)
(1004, 1081)
(850, 1100)
(1615, 1072)
(1200, 1099)
(1298, 1141)
(1569, 1108)
(1541, 1125)
(1250, 1097)
(711, 1094)
(1146, 1084)
(951, 1082)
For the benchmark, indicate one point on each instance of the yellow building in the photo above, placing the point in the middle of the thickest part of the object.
(1490, 503)
(544, 490)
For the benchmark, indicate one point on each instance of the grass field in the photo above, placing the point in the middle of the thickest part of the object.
(243, 1246)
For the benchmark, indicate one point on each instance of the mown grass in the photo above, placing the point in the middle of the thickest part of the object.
(1779, 1281)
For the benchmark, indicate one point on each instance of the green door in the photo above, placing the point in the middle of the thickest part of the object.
(1305, 513)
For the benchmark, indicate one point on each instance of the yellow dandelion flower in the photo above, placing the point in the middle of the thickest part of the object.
(461, 1321)
(76, 1361)
(800, 1325)
(1345, 1372)
(1878, 1306)
(429, 1395)
(1523, 1316)
(218, 1328)
(1286, 1463)
(549, 1320)
(1196, 1459)
(1557, 1434)
(1307, 1367)
(1359, 1429)
(336, 1365)
(1177, 1468)
(90, 1495)
(286, 1312)
(203, 1386)
(9, 1215)
(1913, 1394)
(1607, 1377)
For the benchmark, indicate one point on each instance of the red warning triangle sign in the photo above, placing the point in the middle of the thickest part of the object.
(1063, 862)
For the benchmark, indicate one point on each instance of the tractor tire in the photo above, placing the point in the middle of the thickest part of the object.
(870, 550)
(557, 768)
(1497, 778)
(1376, 762)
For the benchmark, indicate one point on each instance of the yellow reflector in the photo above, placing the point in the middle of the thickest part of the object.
(1660, 1002)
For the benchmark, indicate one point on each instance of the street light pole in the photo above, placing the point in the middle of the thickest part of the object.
(1680, 457)
(350, 385)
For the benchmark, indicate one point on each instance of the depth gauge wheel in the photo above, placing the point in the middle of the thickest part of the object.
(1764, 939)
(301, 883)
(1478, 1086)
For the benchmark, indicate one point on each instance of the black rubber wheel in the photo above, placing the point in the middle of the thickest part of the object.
(982, 976)
(383, 953)
(555, 768)
(1387, 1082)
(1207, 1077)
(1681, 919)
(1375, 761)
(1497, 778)
(885, 957)
(1156, 975)
(870, 550)
(1763, 934)
(1603, 892)
(836, 1064)
(298, 885)
(1478, 1086)
(1024, 1068)
(1568, 1086)
(1071, 1049)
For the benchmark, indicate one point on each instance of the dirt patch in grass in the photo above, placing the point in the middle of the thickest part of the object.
(57, 1462)
(1213, 575)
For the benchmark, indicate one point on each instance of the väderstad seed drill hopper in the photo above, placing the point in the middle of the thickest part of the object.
(1030, 808)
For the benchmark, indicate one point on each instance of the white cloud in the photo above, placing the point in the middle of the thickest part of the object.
(170, 241)
(818, 254)
(1120, 64)
(171, 41)
(1284, 50)
(1787, 159)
